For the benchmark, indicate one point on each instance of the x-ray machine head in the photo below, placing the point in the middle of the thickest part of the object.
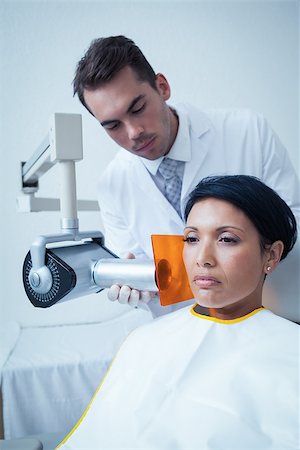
(72, 264)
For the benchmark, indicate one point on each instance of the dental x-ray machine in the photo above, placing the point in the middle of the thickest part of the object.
(82, 265)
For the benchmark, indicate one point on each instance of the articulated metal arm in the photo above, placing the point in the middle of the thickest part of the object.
(63, 145)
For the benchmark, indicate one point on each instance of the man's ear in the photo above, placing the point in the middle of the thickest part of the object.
(163, 86)
(273, 256)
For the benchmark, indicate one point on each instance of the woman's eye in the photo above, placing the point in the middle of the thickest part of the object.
(190, 239)
(228, 239)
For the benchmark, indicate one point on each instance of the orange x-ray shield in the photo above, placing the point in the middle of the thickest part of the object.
(171, 276)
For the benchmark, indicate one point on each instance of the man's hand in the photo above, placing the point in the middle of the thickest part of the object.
(126, 295)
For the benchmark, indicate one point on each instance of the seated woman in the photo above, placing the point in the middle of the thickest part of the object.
(222, 374)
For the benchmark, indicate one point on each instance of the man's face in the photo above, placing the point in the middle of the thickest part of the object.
(134, 114)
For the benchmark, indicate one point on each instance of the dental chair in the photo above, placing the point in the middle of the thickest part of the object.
(37, 442)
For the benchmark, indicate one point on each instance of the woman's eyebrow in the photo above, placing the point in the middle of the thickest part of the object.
(217, 229)
(230, 226)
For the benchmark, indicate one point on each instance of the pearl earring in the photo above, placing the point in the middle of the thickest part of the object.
(268, 268)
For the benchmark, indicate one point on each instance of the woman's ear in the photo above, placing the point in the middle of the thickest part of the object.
(163, 86)
(273, 256)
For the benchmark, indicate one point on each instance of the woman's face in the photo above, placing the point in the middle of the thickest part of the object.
(223, 258)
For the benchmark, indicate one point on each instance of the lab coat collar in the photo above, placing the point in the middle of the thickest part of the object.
(195, 125)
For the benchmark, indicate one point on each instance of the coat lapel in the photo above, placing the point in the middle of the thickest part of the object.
(201, 130)
(152, 195)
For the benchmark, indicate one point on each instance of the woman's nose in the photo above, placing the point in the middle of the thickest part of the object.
(205, 256)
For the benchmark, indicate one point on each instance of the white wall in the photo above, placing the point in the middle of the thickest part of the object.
(221, 54)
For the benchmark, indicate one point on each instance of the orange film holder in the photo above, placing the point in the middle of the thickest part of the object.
(171, 276)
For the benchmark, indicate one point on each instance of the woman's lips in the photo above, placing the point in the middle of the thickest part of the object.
(206, 281)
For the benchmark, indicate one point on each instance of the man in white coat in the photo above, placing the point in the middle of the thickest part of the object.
(118, 86)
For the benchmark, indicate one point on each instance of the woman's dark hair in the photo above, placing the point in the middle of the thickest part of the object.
(271, 216)
(104, 59)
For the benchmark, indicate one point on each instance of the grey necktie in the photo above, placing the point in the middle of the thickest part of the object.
(168, 170)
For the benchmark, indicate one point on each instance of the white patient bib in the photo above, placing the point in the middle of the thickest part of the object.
(187, 381)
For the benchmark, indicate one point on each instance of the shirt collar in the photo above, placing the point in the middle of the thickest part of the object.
(180, 150)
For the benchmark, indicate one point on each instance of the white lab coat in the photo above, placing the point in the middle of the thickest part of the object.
(188, 382)
(222, 142)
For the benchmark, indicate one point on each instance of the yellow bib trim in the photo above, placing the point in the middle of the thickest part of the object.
(229, 321)
(89, 405)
